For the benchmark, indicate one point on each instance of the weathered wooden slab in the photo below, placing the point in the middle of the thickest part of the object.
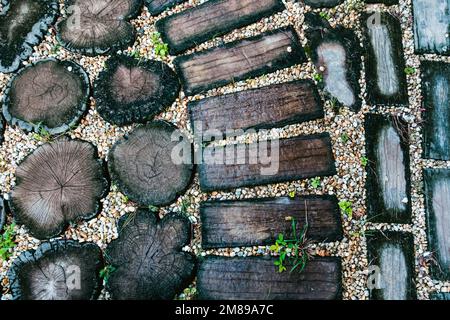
(384, 61)
(432, 26)
(441, 296)
(212, 19)
(289, 159)
(386, 2)
(268, 107)
(437, 199)
(393, 253)
(436, 102)
(323, 3)
(239, 60)
(337, 52)
(256, 278)
(259, 221)
(388, 172)
(155, 7)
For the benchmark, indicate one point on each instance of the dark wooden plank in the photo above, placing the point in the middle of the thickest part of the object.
(431, 26)
(156, 7)
(240, 60)
(268, 107)
(323, 3)
(393, 254)
(388, 172)
(436, 103)
(384, 61)
(437, 200)
(386, 2)
(211, 19)
(259, 221)
(287, 160)
(256, 278)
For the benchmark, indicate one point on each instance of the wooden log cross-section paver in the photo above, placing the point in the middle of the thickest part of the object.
(272, 106)
(388, 172)
(235, 61)
(259, 221)
(437, 199)
(212, 19)
(436, 102)
(283, 160)
(256, 278)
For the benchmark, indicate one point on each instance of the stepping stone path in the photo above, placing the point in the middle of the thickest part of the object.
(299, 158)
(59, 183)
(437, 198)
(268, 107)
(134, 91)
(211, 19)
(148, 258)
(98, 27)
(436, 102)
(337, 57)
(388, 172)
(323, 3)
(251, 57)
(431, 26)
(23, 24)
(259, 221)
(48, 95)
(143, 167)
(59, 270)
(156, 7)
(385, 65)
(256, 278)
(393, 253)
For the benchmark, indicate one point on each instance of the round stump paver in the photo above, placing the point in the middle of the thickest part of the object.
(144, 168)
(49, 94)
(148, 258)
(60, 182)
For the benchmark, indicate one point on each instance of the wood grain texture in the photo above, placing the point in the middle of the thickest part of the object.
(437, 200)
(259, 221)
(268, 107)
(239, 60)
(211, 19)
(256, 278)
(298, 158)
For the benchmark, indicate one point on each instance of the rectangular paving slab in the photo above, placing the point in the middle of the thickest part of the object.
(432, 26)
(259, 221)
(155, 7)
(268, 107)
(436, 103)
(388, 173)
(266, 162)
(392, 254)
(257, 278)
(239, 60)
(385, 65)
(212, 19)
(437, 200)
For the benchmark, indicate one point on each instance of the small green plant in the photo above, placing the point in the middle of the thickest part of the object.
(135, 54)
(42, 134)
(293, 252)
(364, 161)
(346, 208)
(125, 199)
(161, 48)
(345, 138)
(153, 208)
(410, 70)
(292, 194)
(185, 204)
(106, 272)
(325, 15)
(318, 77)
(315, 183)
(55, 49)
(7, 242)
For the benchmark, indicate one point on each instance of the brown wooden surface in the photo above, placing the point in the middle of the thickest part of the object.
(239, 60)
(267, 107)
(211, 19)
(257, 278)
(299, 158)
(259, 221)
